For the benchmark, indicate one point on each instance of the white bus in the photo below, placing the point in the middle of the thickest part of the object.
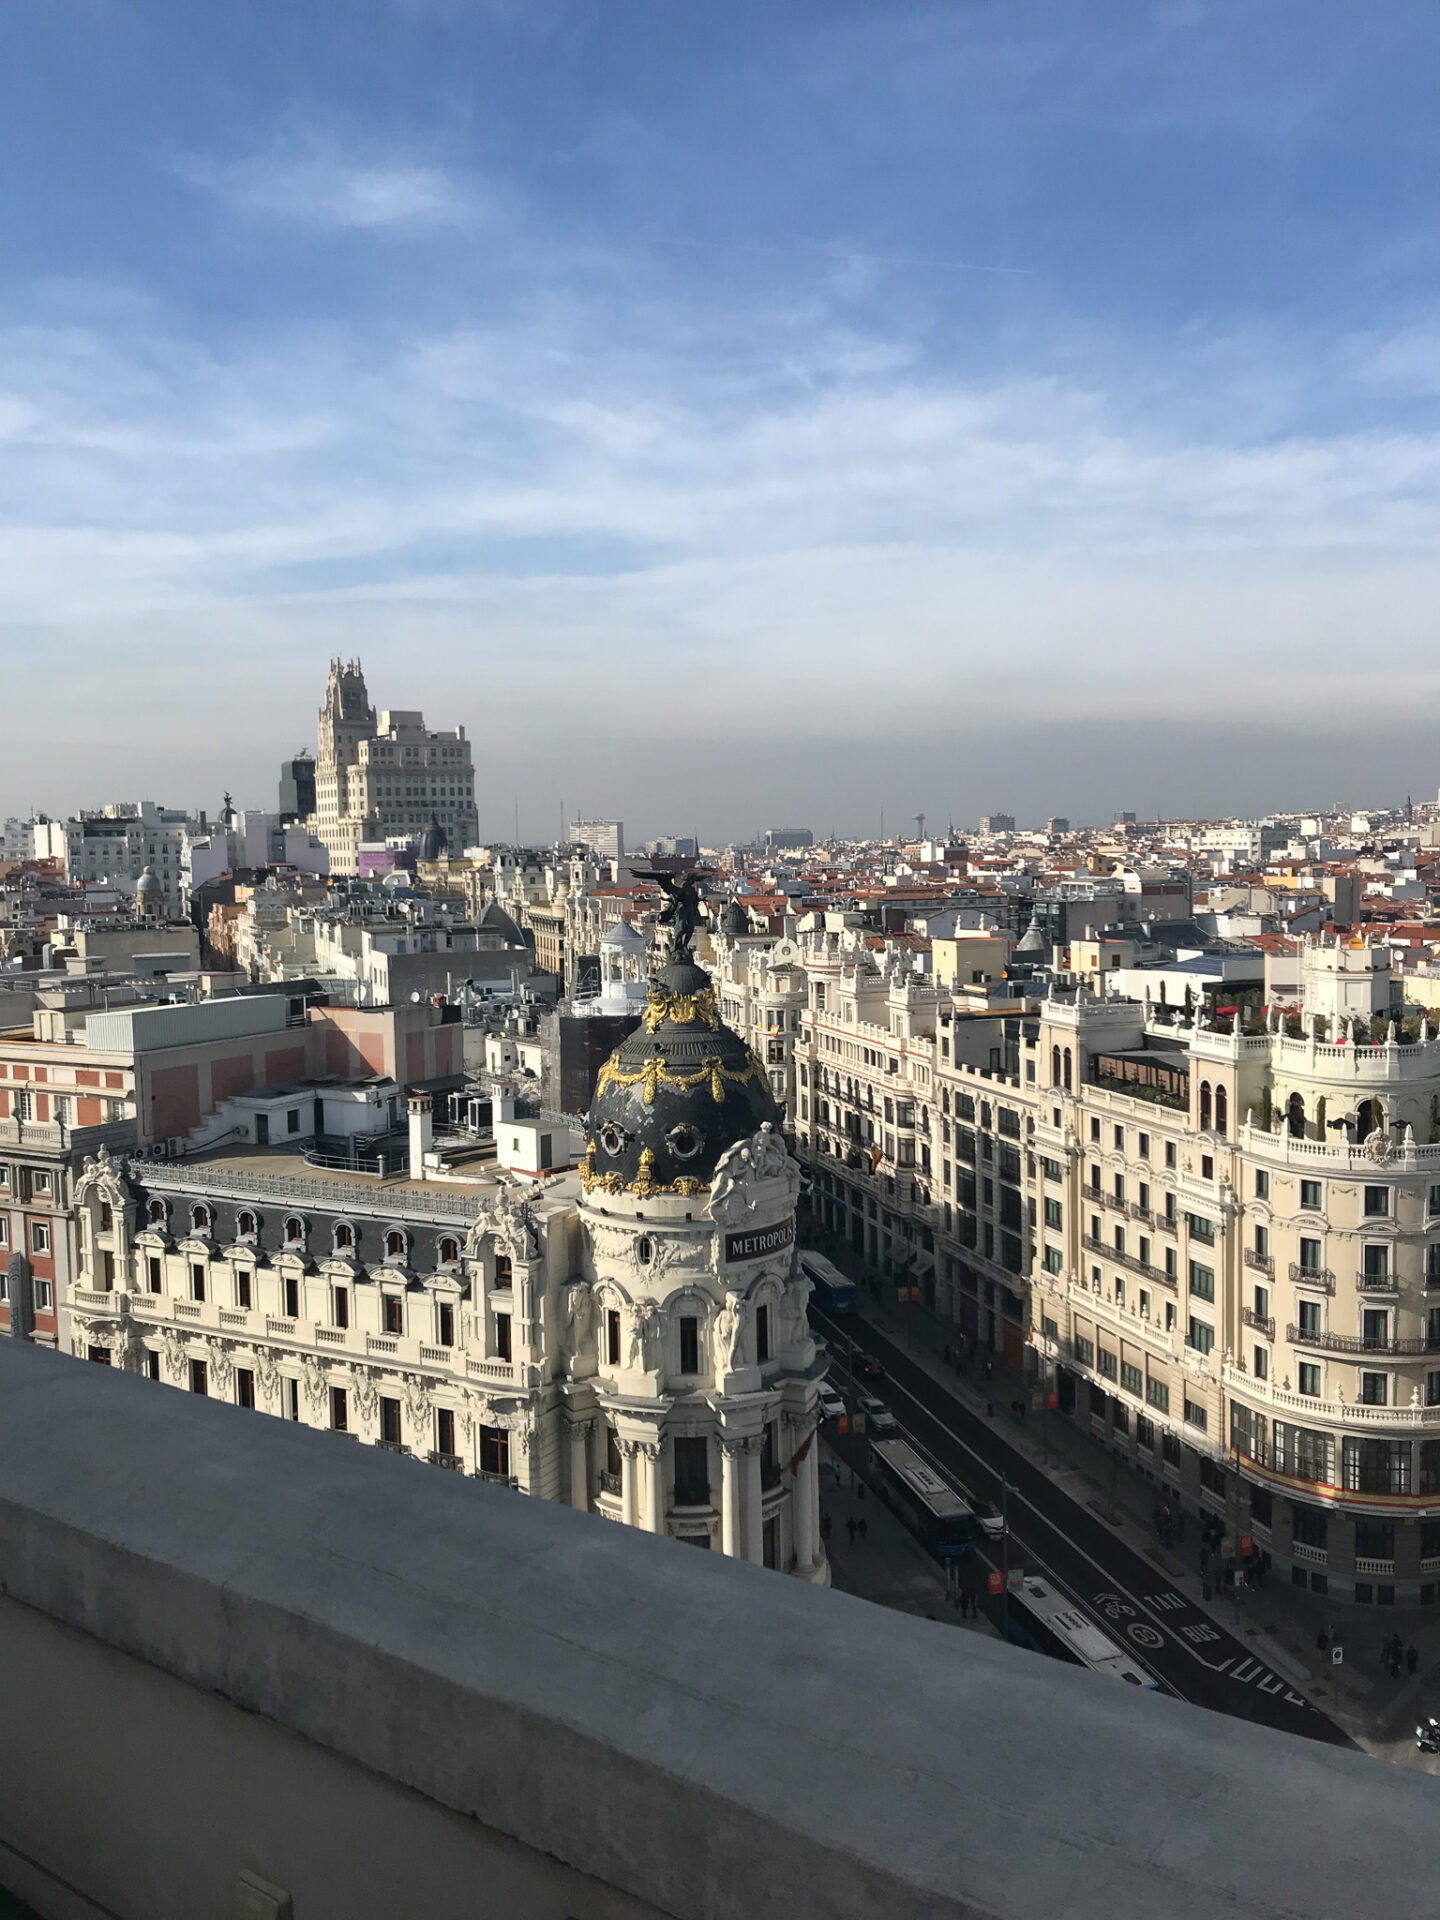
(1077, 1635)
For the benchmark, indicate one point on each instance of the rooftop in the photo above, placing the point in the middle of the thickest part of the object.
(378, 1688)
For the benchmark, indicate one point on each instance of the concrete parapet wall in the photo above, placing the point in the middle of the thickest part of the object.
(226, 1643)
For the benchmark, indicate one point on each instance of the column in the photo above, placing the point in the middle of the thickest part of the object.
(628, 1450)
(730, 1451)
(580, 1464)
(654, 1452)
(754, 1520)
(805, 1508)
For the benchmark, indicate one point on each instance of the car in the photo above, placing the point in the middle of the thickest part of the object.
(867, 1368)
(878, 1417)
(988, 1516)
(832, 1407)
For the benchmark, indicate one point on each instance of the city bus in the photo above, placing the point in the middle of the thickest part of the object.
(934, 1512)
(1042, 1618)
(830, 1290)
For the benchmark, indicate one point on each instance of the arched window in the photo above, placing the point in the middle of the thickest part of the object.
(449, 1252)
(200, 1219)
(1067, 1069)
(1222, 1110)
(394, 1245)
(1369, 1118)
(245, 1226)
(1205, 1106)
(344, 1237)
(157, 1213)
(294, 1232)
(1055, 1066)
(1295, 1117)
(502, 1270)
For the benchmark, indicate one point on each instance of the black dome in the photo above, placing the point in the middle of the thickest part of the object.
(675, 1095)
(434, 841)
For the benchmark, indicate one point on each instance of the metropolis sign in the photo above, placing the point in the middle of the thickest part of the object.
(759, 1241)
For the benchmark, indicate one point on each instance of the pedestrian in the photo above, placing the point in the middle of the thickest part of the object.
(947, 1356)
(863, 1528)
(989, 1409)
(825, 1526)
(850, 1528)
(1322, 1641)
(1412, 1660)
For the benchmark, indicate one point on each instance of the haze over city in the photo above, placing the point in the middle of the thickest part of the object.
(925, 395)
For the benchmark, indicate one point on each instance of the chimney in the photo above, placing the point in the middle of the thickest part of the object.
(422, 1133)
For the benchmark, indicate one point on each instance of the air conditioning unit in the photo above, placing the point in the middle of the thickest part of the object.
(159, 1150)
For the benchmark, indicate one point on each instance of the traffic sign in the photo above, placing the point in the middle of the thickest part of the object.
(858, 1422)
(842, 1423)
(1015, 1579)
(1337, 1656)
(1037, 1400)
(995, 1581)
(1052, 1399)
(1247, 1545)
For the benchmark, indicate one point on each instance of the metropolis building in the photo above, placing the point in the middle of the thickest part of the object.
(629, 1336)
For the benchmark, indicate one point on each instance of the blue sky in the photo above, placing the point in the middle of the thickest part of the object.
(725, 411)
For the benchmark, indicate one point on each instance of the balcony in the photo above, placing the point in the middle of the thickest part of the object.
(1383, 1569)
(450, 1461)
(1133, 1265)
(1320, 1279)
(1137, 1212)
(1260, 1262)
(610, 1482)
(1357, 1343)
(1377, 1282)
(1262, 1323)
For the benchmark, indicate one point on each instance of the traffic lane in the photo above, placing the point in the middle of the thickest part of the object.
(1203, 1662)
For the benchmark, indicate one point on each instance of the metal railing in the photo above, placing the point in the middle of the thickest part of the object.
(1261, 1262)
(1262, 1323)
(1357, 1343)
(164, 1176)
(452, 1461)
(1321, 1278)
(1377, 1282)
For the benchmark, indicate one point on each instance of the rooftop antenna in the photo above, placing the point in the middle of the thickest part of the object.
(920, 826)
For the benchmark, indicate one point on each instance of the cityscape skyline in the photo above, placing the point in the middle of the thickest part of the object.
(854, 370)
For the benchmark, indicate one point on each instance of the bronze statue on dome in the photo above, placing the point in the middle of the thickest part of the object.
(684, 893)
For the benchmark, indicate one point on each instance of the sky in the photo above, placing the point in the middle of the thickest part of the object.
(781, 411)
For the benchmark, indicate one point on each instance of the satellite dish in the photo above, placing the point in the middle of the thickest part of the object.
(416, 998)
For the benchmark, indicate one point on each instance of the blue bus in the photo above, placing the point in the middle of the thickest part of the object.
(935, 1513)
(830, 1290)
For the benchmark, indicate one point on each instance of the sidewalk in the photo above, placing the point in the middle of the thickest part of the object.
(887, 1565)
(1377, 1712)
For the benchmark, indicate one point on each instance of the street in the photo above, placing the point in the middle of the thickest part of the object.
(1187, 1650)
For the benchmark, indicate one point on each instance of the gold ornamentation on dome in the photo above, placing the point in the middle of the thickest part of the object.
(682, 1009)
(654, 1073)
(644, 1185)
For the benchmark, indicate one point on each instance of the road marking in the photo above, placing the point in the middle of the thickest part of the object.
(1250, 1669)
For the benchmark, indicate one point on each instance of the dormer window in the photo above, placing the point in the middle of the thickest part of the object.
(157, 1213)
(395, 1246)
(449, 1252)
(200, 1219)
(344, 1238)
(502, 1270)
(294, 1232)
(245, 1226)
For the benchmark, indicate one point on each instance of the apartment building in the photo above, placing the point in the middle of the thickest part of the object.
(1238, 1252)
(377, 777)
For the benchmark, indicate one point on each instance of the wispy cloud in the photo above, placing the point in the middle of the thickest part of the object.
(326, 186)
